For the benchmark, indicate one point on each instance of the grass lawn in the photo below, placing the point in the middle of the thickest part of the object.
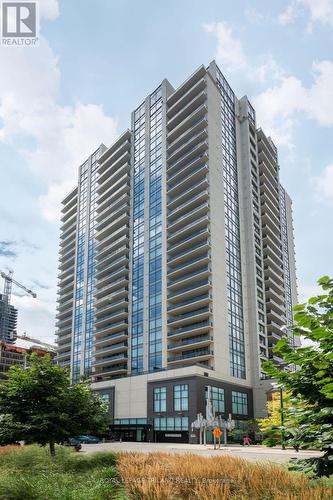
(30, 473)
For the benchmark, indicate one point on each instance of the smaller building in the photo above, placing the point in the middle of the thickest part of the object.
(16, 354)
(8, 324)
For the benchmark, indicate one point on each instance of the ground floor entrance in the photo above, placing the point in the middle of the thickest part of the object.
(126, 433)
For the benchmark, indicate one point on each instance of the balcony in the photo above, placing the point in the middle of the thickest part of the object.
(182, 139)
(109, 372)
(112, 218)
(65, 304)
(105, 320)
(188, 160)
(187, 145)
(64, 339)
(110, 339)
(117, 294)
(187, 122)
(113, 327)
(190, 330)
(187, 110)
(110, 209)
(117, 247)
(111, 265)
(69, 201)
(188, 266)
(200, 355)
(200, 314)
(112, 305)
(273, 316)
(189, 343)
(109, 199)
(113, 237)
(174, 175)
(199, 249)
(191, 191)
(110, 157)
(189, 181)
(114, 348)
(110, 287)
(65, 330)
(271, 283)
(64, 347)
(271, 294)
(186, 305)
(188, 211)
(68, 214)
(112, 190)
(185, 279)
(111, 277)
(191, 242)
(269, 271)
(65, 322)
(108, 179)
(177, 236)
(63, 356)
(110, 360)
(186, 97)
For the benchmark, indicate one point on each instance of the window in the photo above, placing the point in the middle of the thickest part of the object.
(217, 398)
(171, 424)
(180, 397)
(159, 399)
(239, 403)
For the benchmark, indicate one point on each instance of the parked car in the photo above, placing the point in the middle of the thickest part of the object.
(88, 439)
(74, 443)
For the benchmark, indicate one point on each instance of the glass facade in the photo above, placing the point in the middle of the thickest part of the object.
(239, 403)
(80, 272)
(286, 265)
(171, 424)
(232, 230)
(85, 270)
(180, 397)
(216, 396)
(138, 240)
(155, 232)
(159, 399)
(91, 233)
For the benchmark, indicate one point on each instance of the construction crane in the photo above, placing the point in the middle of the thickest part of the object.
(7, 291)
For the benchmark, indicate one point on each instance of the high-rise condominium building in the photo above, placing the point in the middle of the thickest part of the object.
(177, 269)
(8, 321)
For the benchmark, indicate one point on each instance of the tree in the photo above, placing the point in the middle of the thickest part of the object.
(271, 426)
(40, 405)
(310, 385)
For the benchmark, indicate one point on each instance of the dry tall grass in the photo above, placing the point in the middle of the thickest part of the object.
(161, 476)
(7, 450)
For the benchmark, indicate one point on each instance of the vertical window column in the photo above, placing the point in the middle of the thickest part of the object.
(232, 230)
(137, 328)
(155, 232)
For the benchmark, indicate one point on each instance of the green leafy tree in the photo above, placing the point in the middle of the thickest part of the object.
(311, 383)
(271, 426)
(40, 405)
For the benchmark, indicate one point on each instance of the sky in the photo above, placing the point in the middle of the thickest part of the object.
(98, 59)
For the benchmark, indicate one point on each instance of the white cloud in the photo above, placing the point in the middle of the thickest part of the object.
(57, 138)
(286, 99)
(48, 9)
(279, 107)
(324, 184)
(318, 11)
(229, 51)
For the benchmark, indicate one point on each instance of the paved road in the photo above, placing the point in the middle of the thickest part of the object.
(255, 453)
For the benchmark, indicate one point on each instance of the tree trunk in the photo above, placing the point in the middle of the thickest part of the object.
(52, 448)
